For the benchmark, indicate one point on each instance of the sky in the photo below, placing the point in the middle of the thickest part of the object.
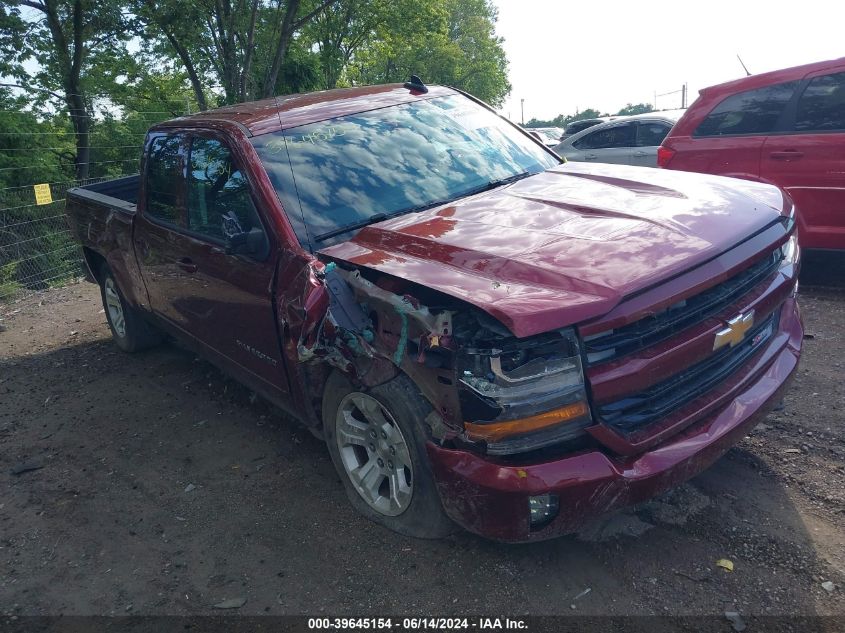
(567, 56)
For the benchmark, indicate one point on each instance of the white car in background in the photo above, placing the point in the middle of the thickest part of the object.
(630, 140)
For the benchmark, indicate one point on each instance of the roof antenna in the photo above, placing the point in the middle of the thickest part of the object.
(747, 74)
(416, 85)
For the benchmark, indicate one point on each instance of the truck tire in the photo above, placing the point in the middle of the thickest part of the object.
(376, 439)
(128, 327)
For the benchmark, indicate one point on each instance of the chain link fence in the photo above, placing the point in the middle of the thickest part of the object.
(37, 250)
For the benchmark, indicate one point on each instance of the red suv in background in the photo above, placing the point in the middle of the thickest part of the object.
(786, 128)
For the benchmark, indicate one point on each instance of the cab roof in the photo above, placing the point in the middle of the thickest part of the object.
(280, 113)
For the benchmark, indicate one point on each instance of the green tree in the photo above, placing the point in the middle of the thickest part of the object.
(449, 42)
(562, 120)
(70, 40)
(340, 30)
(639, 108)
(243, 45)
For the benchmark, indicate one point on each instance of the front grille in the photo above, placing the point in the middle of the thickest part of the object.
(655, 328)
(636, 411)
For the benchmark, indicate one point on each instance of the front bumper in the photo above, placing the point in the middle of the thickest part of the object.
(491, 498)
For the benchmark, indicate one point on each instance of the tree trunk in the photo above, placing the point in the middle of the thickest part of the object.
(82, 130)
(285, 33)
(196, 84)
(289, 25)
(71, 54)
(250, 47)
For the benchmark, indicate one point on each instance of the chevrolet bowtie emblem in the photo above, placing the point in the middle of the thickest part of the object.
(735, 332)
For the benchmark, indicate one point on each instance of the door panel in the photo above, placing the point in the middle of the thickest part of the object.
(811, 168)
(611, 144)
(157, 227)
(226, 302)
(158, 249)
(616, 155)
(809, 162)
(650, 135)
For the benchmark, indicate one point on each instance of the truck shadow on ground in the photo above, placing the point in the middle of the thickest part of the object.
(823, 268)
(165, 488)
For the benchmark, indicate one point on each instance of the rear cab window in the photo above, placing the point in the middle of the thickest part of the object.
(750, 112)
(165, 169)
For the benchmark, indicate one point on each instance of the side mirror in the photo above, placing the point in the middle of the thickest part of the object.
(252, 242)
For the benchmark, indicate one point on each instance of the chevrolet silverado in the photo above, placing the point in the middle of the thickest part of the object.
(482, 333)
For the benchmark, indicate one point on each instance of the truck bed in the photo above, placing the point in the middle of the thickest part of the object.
(120, 193)
(101, 216)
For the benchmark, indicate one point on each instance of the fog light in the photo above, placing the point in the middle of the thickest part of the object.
(542, 509)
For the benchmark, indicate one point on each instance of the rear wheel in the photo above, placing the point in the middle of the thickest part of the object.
(130, 331)
(377, 441)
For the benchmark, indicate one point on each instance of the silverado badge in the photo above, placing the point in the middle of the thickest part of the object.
(735, 332)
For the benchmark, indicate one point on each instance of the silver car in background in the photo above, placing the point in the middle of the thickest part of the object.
(630, 140)
(548, 136)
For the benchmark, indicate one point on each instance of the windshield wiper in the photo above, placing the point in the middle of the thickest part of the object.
(373, 219)
(510, 179)
(381, 217)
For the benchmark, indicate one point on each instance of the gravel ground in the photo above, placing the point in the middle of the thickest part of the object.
(163, 487)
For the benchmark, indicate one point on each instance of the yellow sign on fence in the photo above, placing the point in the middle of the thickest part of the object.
(43, 194)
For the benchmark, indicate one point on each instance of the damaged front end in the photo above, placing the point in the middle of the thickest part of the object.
(489, 390)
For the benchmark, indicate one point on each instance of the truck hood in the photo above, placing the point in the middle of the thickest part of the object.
(568, 244)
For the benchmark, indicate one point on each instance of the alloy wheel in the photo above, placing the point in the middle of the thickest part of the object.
(374, 454)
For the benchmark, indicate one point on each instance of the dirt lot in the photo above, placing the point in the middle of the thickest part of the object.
(165, 488)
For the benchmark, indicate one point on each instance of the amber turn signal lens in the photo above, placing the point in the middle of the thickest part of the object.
(497, 430)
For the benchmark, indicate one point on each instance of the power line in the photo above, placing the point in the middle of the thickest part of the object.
(101, 162)
(79, 182)
(37, 237)
(36, 149)
(58, 250)
(6, 227)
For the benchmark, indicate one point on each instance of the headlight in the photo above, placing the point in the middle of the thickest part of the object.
(789, 251)
(790, 255)
(520, 395)
(789, 219)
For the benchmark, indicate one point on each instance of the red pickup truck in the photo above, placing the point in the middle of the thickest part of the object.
(483, 334)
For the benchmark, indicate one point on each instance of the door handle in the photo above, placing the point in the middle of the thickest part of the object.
(639, 154)
(187, 265)
(590, 156)
(787, 154)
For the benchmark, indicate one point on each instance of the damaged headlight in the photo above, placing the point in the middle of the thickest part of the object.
(521, 395)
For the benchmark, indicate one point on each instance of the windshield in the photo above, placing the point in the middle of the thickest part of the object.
(346, 171)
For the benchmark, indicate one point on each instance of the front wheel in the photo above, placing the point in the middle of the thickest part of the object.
(130, 331)
(377, 441)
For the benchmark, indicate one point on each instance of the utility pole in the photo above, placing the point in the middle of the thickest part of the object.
(683, 96)
(522, 110)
